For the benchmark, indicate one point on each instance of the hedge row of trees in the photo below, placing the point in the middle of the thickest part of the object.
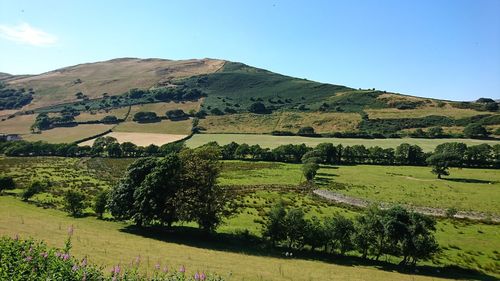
(455, 154)
(396, 232)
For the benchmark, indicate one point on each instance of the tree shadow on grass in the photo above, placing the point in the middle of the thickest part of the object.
(469, 180)
(246, 243)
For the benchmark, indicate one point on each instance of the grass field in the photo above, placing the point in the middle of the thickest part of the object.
(68, 134)
(140, 139)
(182, 127)
(274, 141)
(111, 243)
(282, 121)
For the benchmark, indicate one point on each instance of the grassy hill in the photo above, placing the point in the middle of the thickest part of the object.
(227, 92)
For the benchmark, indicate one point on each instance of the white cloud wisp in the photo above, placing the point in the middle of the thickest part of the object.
(26, 34)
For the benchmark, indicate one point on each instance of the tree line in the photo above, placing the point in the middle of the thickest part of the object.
(375, 233)
(451, 154)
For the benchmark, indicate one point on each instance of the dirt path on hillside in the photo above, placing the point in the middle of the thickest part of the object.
(436, 212)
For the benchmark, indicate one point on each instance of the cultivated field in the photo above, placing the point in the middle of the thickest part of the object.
(274, 141)
(281, 121)
(68, 134)
(140, 139)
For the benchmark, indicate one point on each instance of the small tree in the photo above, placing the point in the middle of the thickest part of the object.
(341, 231)
(34, 188)
(74, 202)
(310, 169)
(258, 107)
(100, 202)
(440, 162)
(274, 228)
(6, 182)
(295, 227)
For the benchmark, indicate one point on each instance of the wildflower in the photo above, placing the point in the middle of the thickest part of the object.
(182, 269)
(58, 254)
(70, 230)
(203, 276)
(84, 262)
(196, 276)
(137, 260)
(65, 257)
(44, 255)
(74, 268)
(116, 270)
(165, 269)
(28, 258)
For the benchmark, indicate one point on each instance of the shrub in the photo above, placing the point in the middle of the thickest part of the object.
(34, 188)
(258, 107)
(110, 119)
(6, 182)
(306, 131)
(74, 202)
(145, 117)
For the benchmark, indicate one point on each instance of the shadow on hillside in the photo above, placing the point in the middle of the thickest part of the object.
(245, 243)
(468, 180)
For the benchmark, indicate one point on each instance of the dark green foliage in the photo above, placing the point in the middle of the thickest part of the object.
(14, 98)
(310, 169)
(33, 189)
(100, 202)
(176, 114)
(295, 226)
(306, 132)
(274, 227)
(109, 119)
(258, 107)
(74, 202)
(440, 162)
(146, 117)
(341, 232)
(475, 130)
(175, 188)
(6, 183)
(216, 111)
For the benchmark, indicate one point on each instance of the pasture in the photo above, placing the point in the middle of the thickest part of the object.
(270, 141)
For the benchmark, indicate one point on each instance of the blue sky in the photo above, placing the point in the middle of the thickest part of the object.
(434, 48)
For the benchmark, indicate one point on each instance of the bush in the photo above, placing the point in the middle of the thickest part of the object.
(306, 131)
(110, 119)
(34, 188)
(176, 114)
(258, 107)
(146, 117)
(475, 131)
(74, 202)
(6, 182)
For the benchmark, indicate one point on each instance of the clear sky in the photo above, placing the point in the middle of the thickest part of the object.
(446, 49)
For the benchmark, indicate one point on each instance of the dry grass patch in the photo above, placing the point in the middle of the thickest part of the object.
(67, 135)
(18, 125)
(140, 139)
(394, 113)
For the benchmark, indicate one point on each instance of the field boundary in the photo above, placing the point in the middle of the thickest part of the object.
(435, 212)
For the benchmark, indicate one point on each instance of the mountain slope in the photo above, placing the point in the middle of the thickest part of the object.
(113, 77)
